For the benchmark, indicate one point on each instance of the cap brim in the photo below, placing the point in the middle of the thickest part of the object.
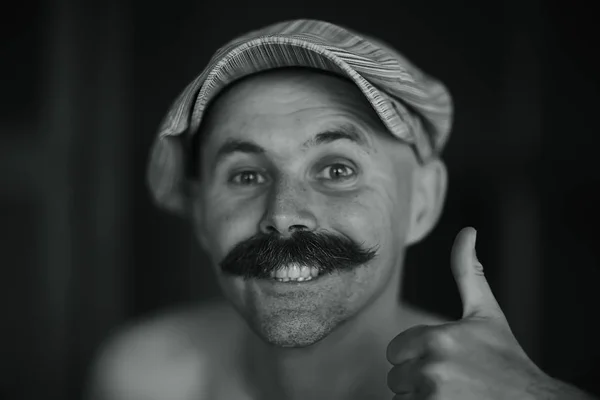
(276, 51)
(414, 107)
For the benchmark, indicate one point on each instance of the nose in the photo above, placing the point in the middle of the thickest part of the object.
(288, 211)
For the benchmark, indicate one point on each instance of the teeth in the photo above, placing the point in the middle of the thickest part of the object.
(304, 272)
(281, 273)
(296, 273)
(293, 271)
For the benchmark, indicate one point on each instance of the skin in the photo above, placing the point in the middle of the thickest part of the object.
(337, 337)
(374, 193)
(326, 340)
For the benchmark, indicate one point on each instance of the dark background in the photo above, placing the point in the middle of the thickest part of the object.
(85, 84)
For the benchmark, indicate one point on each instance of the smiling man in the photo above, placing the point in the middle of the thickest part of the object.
(307, 157)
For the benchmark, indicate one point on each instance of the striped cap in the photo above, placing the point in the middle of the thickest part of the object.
(414, 107)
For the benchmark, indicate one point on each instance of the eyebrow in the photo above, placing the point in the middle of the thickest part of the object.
(342, 132)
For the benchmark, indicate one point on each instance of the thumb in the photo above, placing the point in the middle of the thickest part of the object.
(475, 292)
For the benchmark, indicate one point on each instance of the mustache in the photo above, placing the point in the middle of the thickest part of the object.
(262, 254)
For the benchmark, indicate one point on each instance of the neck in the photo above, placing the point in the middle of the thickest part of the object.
(349, 363)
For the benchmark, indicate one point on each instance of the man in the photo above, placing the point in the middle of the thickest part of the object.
(307, 157)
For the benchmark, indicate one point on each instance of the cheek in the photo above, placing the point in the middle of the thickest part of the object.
(226, 223)
(394, 198)
(377, 215)
(401, 209)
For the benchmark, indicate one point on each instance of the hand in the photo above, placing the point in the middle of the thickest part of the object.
(475, 358)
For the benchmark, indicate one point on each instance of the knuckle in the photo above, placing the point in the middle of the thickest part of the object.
(436, 373)
(404, 339)
(440, 341)
(392, 350)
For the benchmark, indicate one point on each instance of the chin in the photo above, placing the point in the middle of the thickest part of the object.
(292, 330)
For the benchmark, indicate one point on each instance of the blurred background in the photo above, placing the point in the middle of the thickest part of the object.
(85, 83)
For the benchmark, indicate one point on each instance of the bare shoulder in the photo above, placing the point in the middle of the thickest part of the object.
(166, 356)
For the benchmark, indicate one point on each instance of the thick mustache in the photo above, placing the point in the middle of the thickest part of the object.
(262, 254)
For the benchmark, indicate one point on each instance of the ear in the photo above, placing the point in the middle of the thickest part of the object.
(430, 183)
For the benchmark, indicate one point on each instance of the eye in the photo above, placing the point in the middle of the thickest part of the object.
(247, 178)
(337, 172)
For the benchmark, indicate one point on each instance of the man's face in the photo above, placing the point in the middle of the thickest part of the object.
(299, 178)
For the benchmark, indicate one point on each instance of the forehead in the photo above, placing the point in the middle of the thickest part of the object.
(288, 105)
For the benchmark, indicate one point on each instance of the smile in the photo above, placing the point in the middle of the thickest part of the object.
(295, 273)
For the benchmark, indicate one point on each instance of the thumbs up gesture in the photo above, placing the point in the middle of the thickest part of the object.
(474, 358)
